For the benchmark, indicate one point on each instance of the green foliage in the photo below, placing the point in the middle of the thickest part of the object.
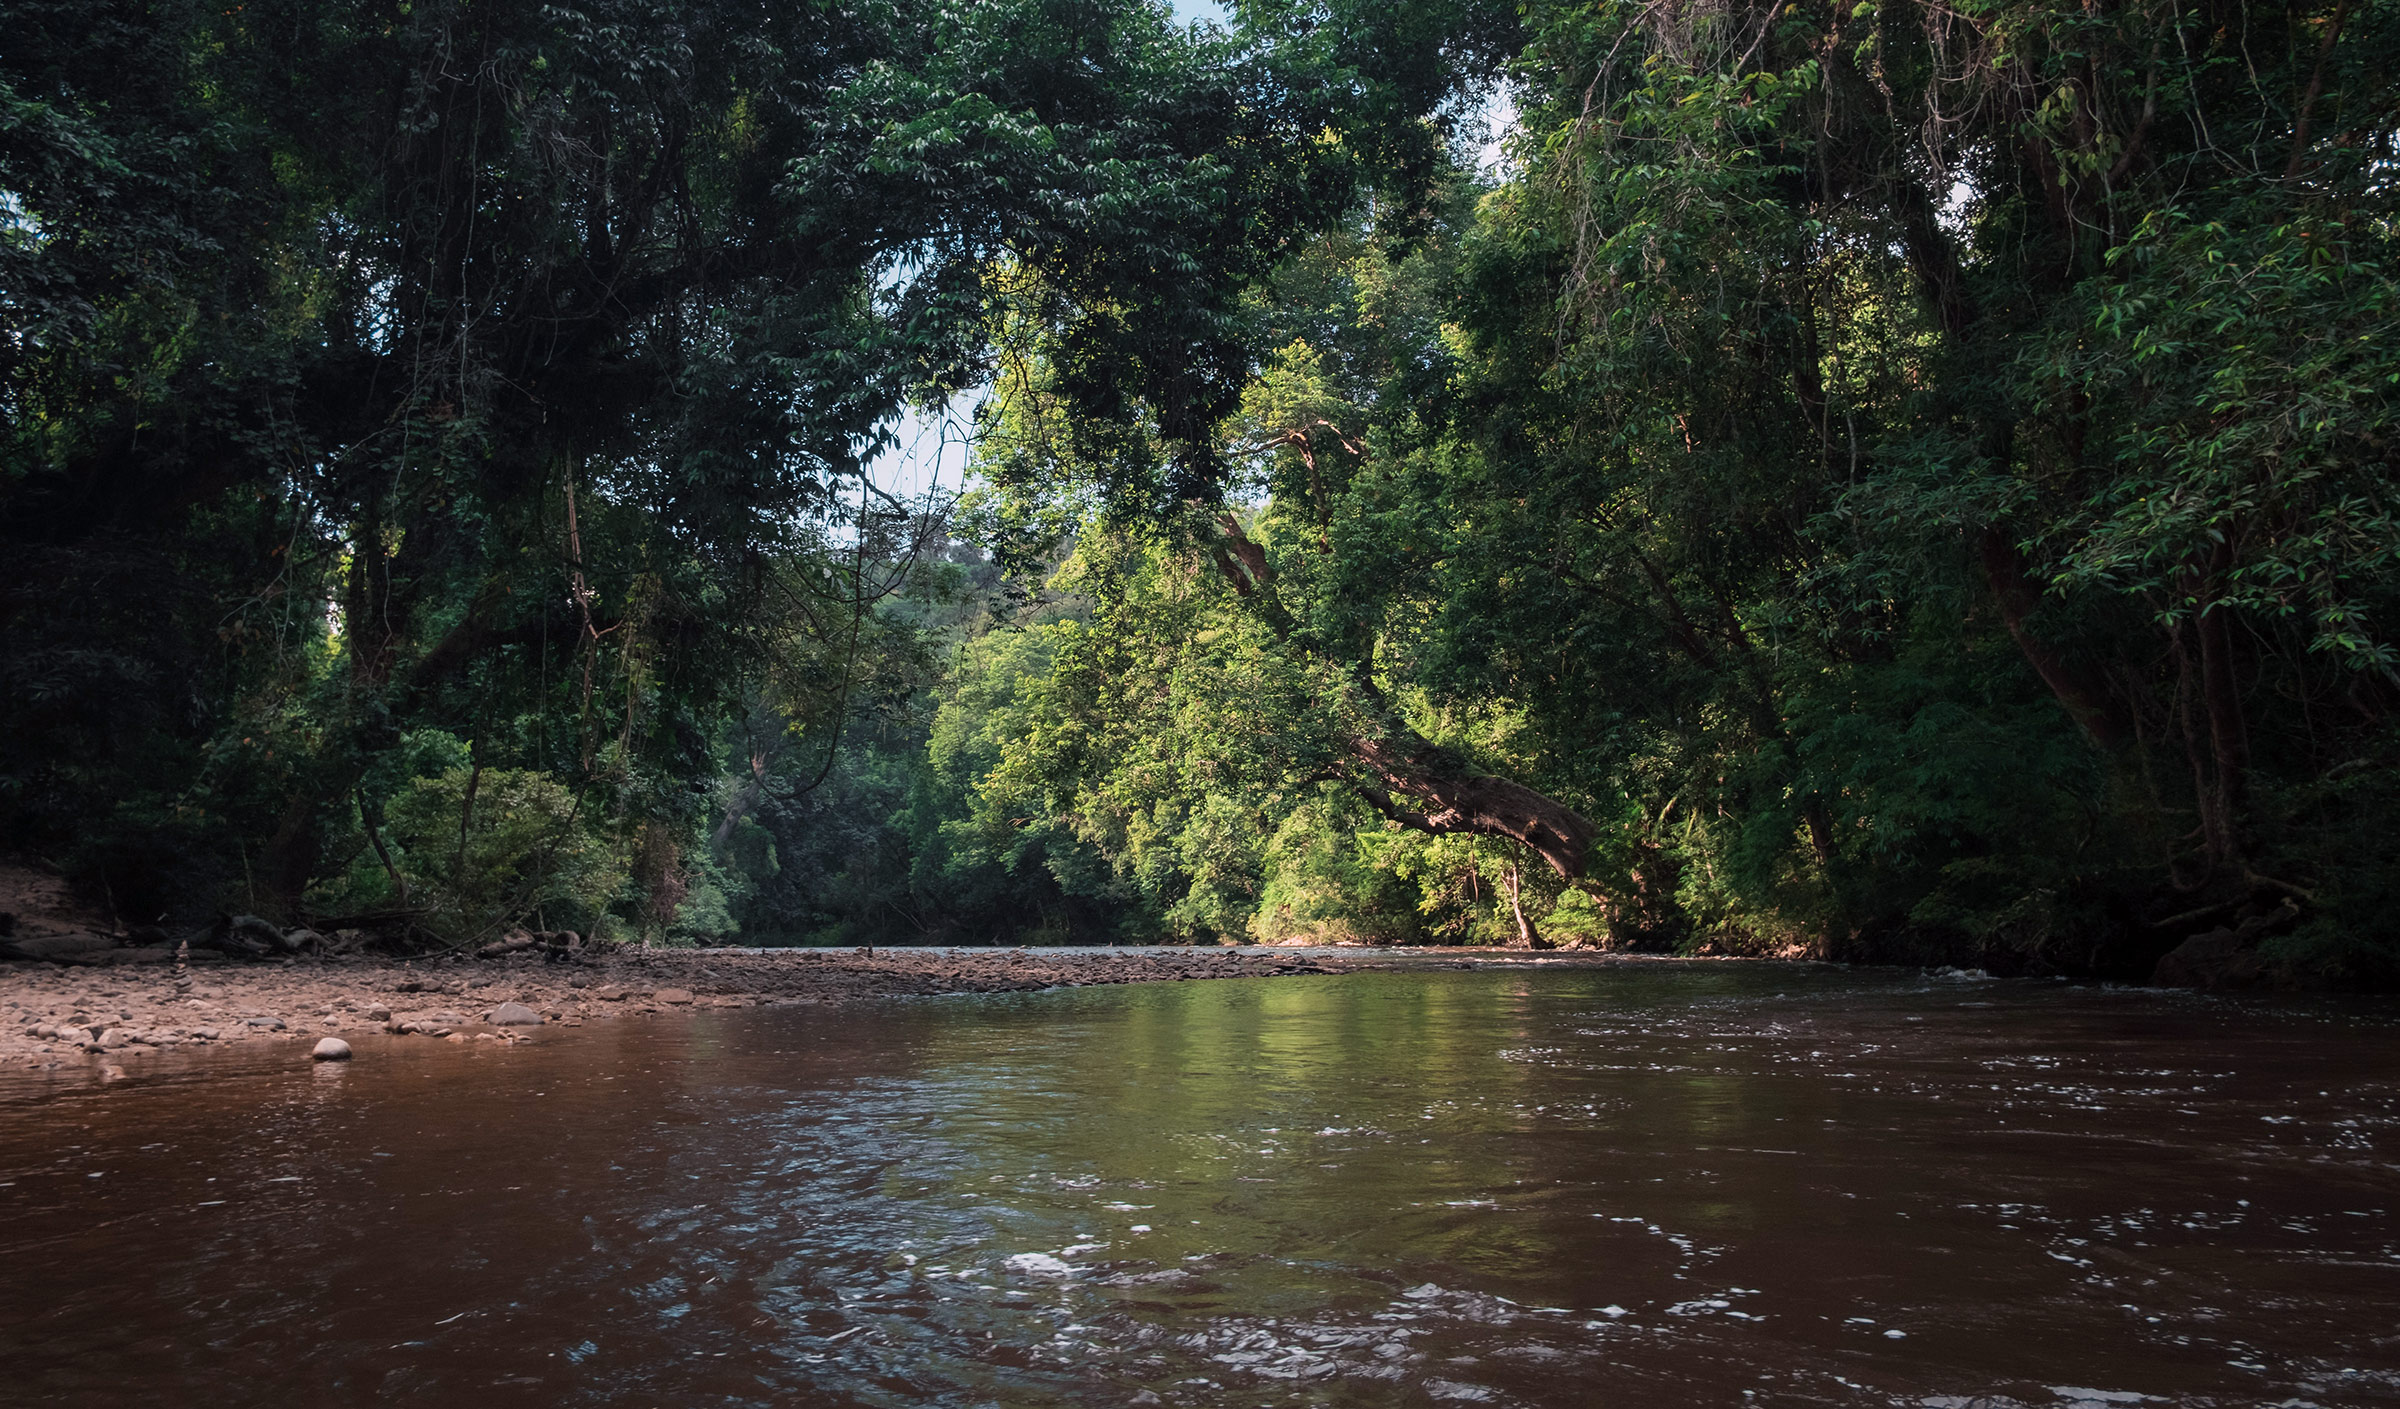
(1892, 472)
(509, 370)
(2249, 385)
(483, 851)
(1879, 481)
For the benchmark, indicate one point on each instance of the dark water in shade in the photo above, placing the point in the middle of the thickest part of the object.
(1714, 1185)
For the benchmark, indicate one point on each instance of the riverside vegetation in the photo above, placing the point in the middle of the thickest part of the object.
(1901, 481)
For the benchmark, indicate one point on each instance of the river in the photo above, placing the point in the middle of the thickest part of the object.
(1706, 1184)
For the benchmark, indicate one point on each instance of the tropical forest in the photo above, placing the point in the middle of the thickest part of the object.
(1200, 704)
(1903, 482)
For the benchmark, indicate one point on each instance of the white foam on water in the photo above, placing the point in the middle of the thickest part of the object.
(1038, 1264)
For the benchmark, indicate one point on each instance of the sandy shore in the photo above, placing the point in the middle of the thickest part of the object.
(51, 1016)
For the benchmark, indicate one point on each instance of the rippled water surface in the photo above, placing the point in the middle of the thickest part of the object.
(1656, 1186)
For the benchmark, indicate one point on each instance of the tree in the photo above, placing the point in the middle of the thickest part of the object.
(508, 368)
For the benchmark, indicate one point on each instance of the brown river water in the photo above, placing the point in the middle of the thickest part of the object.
(1714, 1184)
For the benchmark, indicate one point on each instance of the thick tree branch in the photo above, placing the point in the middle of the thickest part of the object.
(1455, 799)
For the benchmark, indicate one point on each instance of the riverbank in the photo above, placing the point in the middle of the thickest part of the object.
(115, 1013)
(125, 1011)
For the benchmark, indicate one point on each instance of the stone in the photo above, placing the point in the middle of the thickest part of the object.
(513, 1015)
(673, 995)
(2227, 958)
(268, 1021)
(2218, 959)
(115, 1037)
(331, 1049)
(610, 993)
(375, 1012)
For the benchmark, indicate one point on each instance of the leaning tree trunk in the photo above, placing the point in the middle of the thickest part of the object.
(1409, 778)
(1428, 788)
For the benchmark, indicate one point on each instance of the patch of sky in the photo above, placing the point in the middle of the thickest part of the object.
(1487, 120)
(1201, 12)
(927, 449)
(18, 222)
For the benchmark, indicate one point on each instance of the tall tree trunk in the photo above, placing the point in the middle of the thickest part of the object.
(370, 817)
(1820, 829)
(2220, 777)
(2228, 730)
(291, 854)
(2216, 830)
(466, 810)
(1527, 935)
(2085, 701)
(1934, 258)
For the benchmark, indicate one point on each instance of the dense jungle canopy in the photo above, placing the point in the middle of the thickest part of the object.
(1896, 480)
